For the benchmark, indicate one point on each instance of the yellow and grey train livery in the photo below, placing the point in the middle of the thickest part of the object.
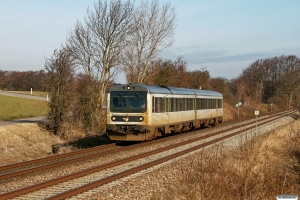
(137, 112)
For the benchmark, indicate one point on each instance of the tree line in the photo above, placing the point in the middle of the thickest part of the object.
(23, 81)
(272, 80)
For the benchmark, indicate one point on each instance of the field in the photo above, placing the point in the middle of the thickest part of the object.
(16, 108)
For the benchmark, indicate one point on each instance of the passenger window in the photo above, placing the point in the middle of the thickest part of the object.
(157, 104)
(179, 102)
(153, 105)
(173, 104)
(163, 105)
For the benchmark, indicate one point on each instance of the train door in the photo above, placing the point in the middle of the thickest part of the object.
(195, 109)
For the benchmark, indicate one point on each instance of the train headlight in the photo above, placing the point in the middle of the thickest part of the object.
(128, 87)
(141, 118)
(113, 118)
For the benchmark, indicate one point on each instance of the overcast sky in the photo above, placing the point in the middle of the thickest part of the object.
(223, 36)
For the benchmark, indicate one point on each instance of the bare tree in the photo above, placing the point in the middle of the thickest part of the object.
(153, 32)
(289, 85)
(199, 79)
(97, 45)
(60, 69)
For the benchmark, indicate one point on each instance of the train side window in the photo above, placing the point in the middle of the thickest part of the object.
(187, 104)
(153, 104)
(207, 104)
(173, 104)
(178, 104)
(163, 105)
(168, 102)
(202, 103)
(157, 104)
(181, 104)
(220, 103)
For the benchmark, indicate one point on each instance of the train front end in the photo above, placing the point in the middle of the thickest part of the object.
(127, 113)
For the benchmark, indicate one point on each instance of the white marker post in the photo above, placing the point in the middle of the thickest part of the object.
(238, 106)
(256, 113)
(31, 91)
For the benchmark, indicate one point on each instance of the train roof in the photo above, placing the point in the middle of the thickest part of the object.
(164, 90)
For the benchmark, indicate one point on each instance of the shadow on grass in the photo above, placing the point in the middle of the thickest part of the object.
(91, 141)
(83, 143)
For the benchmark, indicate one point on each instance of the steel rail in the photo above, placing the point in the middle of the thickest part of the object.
(90, 156)
(89, 171)
(40, 161)
(107, 180)
(54, 157)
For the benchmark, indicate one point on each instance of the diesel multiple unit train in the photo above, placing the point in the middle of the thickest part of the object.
(137, 112)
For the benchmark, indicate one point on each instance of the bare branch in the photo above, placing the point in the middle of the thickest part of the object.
(154, 31)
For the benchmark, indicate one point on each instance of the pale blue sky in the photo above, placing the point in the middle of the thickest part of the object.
(223, 36)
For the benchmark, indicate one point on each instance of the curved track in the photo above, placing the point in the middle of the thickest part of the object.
(78, 182)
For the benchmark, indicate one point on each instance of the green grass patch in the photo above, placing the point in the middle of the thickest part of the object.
(16, 108)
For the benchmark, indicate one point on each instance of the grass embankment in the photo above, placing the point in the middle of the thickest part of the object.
(24, 142)
(261, 169)
(16, 108)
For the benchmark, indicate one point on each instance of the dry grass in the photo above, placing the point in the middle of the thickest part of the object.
(231, 112)
(260, 169)
(25, 142)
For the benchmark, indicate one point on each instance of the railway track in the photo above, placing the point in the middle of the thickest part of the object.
(55, 161)
(78, 182)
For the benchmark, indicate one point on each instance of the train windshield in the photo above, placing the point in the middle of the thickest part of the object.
(128, 101)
